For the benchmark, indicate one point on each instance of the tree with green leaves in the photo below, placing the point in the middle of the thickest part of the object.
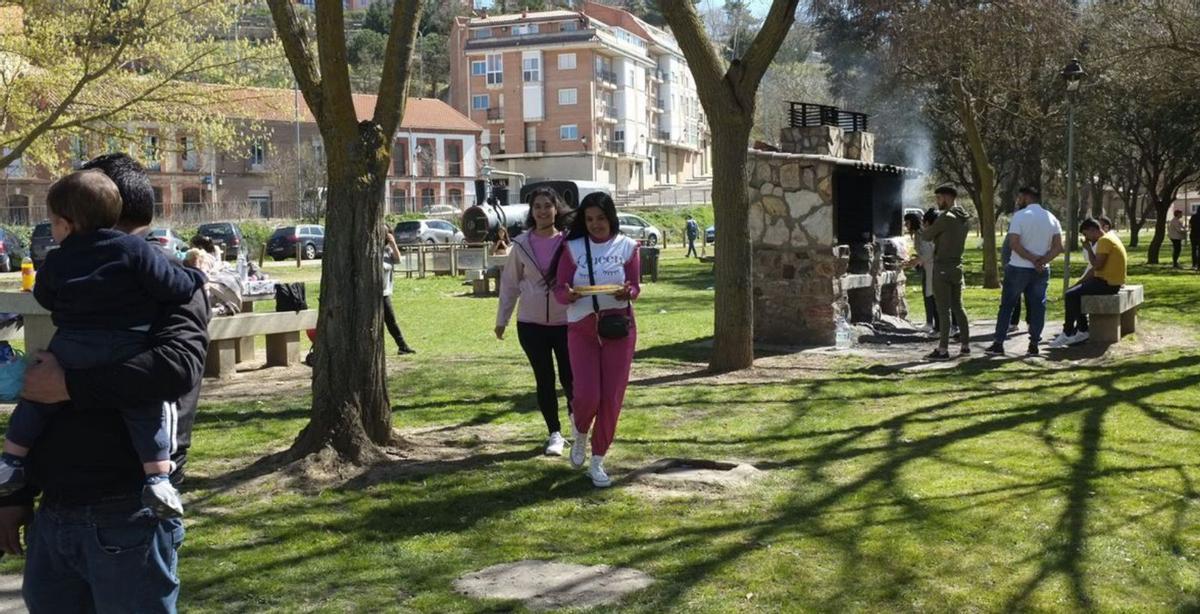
(729, 92)
(350, 411)
(87, 68)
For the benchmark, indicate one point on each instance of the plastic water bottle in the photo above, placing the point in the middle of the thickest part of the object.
(26, 274)
(842, 334)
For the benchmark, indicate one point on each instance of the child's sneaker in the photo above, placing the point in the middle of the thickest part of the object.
(161, 497)
(12, 474)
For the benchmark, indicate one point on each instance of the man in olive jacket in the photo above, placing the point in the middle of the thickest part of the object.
(949, 236)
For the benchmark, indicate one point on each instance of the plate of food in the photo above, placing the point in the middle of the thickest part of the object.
(597, 290)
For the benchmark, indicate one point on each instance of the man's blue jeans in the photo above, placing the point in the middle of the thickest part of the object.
(1018, 282)
(114, 557)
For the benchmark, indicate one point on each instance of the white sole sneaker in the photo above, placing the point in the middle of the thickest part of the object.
(1079, 337)
(555, 445)
(1060, 341)
(596, 472)
(578, 448)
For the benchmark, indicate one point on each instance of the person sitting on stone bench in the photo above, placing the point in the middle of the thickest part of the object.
(1105, 277)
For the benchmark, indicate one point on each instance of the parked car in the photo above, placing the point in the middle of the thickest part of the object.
(41, 243)
(310, 238)
(167, 238)
(428, 231)
(12, 251)
(637, 228)
(225, 235)
(710, 234)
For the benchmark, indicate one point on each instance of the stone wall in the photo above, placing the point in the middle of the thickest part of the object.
(860, 146)
(816, 140)
(800, 280)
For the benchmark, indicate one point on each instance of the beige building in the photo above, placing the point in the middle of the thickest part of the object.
(595, 94)
(434, 163)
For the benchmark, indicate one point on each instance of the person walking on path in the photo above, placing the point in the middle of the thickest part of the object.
(1106, 277)
(541, 320)
(391, 256)
(1177, 232)
(949, 237)
(1194, 236)
(1035, 238)
(600, 262)
(693, 232)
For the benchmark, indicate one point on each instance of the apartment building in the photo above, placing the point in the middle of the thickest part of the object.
(595, 94)
(434, 162)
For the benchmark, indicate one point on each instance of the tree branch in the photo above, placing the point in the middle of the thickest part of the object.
(393, 90)
(765, 45)
(335, 66)
(295, 48)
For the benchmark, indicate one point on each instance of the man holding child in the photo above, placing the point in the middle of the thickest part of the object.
(95, 543)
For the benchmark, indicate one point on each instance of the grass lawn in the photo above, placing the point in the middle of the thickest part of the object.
(994, 485)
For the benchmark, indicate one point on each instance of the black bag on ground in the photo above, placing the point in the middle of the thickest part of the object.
(290, 297)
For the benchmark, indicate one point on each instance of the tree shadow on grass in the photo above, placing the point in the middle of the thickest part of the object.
(1064, 555)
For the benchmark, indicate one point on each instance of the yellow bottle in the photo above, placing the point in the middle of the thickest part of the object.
(26, 275)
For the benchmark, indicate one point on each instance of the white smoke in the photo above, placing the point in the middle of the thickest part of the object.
(919, 155)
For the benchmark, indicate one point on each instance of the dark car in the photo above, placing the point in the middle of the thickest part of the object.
(41, 243)
(225, 235)
(283, 242)
(710, 234)
(12, 251)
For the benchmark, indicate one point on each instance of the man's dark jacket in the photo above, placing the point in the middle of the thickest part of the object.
(85, 454)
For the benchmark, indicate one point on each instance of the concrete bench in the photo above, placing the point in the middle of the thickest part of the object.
(231, 339)
(1113, 316)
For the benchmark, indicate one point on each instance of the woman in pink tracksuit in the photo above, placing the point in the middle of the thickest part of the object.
(600, 365)
(541, 321)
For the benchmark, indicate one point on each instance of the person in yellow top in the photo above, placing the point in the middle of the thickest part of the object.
(1106, 276)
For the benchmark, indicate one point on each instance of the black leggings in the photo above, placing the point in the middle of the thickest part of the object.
(544, 345)
(389, 320)
(1176, 249)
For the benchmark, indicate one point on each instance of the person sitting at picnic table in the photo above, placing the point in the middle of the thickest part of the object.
(1106, 276)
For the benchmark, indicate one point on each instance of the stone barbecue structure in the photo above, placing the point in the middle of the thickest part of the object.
(825, 220)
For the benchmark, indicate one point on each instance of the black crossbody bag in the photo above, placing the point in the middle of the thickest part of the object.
(613, 325)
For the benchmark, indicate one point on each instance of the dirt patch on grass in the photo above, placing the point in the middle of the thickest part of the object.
(692, 477)
(546, 585)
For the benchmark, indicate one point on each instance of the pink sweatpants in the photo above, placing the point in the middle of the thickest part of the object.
(601, 371)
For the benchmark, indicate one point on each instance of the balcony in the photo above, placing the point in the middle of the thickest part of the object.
(663, 135)
(535, 146)
(606, 78)
(658, 75)
(607, 114)
(495, 114)
(614, 147)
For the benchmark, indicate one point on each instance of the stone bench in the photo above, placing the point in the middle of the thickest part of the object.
(231, 339)
(1113, 316)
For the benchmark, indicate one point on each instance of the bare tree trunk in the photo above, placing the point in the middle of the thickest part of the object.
(733, 345)
(986, 203)
(1161, 205)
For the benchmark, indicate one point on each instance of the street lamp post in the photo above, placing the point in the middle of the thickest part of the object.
(1072, 74)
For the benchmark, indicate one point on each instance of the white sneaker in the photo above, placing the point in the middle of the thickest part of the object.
(554, 447)
(600, 479)
(578, 447)
(1078, 337)
(1061, 341)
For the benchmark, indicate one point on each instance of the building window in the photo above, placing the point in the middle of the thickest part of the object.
(150, 152)
(569, 132)
(456, 197)
(568, 95)
(261, 201)
(495, 69)
(400, 159)
(258, 155)
(399, 201)
(427, 198)
(158, 201)
(481, 33)
(566, 61)
(480, 102)
(454, 158)
(570, 26)
(425, 157)
(532, 69)
(524, 29)
(619, 135)
(192, 196)
(478, 68)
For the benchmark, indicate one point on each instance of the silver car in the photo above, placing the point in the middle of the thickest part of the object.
(637, 228)
(428, 231)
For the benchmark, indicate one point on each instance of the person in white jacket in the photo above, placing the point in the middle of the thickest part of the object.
(541, 320)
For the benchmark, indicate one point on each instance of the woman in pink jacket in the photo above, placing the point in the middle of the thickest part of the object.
(541, 321)
(597, 277)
